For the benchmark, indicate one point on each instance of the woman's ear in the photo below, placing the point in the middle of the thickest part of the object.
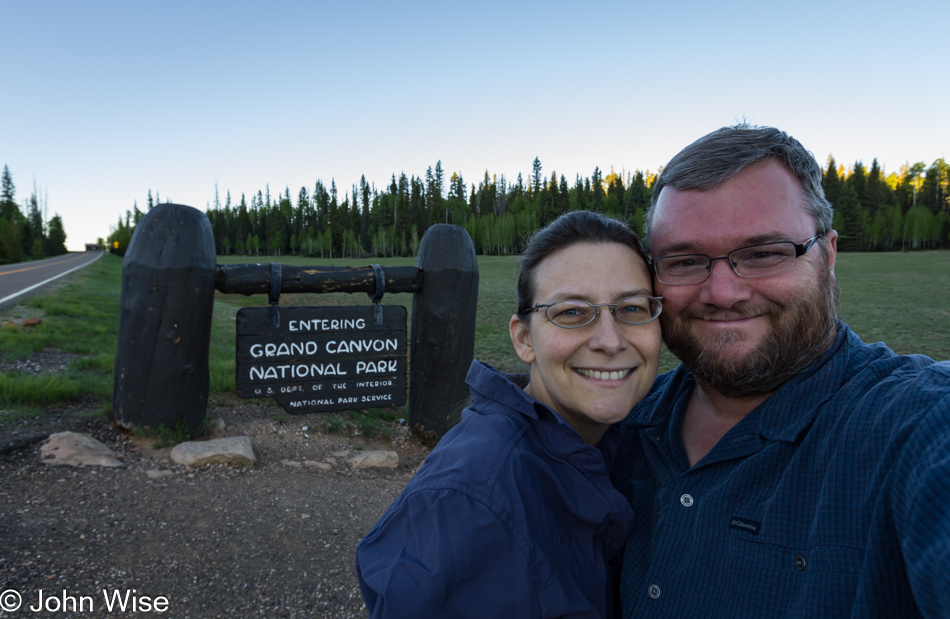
(521, 339)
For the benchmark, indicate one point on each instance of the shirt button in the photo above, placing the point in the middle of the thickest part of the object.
(613, 560)
(686, 500)
(800, 563)
(654, 591)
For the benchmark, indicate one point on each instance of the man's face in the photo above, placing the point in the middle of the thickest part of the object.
(745, 336)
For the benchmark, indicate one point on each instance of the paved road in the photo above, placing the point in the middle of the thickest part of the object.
(18, 280)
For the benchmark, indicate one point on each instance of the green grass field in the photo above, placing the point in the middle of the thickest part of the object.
(901, 299)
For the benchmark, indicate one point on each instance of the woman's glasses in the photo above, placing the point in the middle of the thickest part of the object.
(573, 313)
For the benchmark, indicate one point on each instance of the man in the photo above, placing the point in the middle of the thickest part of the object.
(785, 469)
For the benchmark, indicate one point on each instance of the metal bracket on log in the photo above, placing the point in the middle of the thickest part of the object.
(273, 295)
(380, 291)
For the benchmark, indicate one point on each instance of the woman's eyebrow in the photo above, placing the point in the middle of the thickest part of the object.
(571, 296)
(639, 292)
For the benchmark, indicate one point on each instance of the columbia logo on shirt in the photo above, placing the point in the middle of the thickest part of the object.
(744, 524)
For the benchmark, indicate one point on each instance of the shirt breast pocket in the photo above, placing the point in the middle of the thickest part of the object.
(798, 575)
(824, 559)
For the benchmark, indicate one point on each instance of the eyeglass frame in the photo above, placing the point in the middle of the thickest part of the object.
(596, 308)
(800, 250)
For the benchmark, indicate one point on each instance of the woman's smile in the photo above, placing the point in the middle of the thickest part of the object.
(604, 375)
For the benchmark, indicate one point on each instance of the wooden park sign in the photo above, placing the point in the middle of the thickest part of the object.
(296, 354)
(320, 359)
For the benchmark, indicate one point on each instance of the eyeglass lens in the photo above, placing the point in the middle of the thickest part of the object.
(755, 261)
(634, 311)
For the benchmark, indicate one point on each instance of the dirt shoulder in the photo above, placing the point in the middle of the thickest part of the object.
(275, 539)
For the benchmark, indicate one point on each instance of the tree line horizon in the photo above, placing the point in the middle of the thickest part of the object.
(907, 209)
(28, 235)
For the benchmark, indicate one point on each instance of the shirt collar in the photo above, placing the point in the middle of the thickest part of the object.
(793, 407)
(787, 412)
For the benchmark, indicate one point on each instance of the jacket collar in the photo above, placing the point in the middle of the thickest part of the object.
(490, 388)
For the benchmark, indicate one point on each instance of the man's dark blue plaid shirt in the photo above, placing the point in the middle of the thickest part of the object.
(831, 499)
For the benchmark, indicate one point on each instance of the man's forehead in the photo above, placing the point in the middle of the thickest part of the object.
(722, 232)
(711, 244)
(763, 204)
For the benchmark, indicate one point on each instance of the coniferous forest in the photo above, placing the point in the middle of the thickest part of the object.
(25, 235)
(906, 209)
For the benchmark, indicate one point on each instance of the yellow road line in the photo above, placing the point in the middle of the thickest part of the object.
(38, 266)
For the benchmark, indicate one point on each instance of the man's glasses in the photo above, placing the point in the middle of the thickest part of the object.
(573, 314)
(752, 261)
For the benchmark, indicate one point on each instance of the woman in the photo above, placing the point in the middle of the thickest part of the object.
(513, 514)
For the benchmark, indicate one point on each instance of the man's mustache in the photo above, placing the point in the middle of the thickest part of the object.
(737, 312)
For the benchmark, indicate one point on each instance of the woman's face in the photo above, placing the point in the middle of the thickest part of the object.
(593, 375)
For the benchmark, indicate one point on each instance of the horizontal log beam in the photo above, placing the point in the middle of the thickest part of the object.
(248, 279)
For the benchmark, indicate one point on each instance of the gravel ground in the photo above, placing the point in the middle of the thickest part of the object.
(275, 539)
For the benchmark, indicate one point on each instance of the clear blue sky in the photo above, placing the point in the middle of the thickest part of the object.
(103, 101)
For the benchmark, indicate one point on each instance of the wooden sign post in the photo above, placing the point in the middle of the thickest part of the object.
(443, 328)
(161, 360)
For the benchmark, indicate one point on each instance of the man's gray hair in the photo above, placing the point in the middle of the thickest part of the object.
(717, 157)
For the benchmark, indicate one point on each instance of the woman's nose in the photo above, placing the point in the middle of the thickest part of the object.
(606, 335)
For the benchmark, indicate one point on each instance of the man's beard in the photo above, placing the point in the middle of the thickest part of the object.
(802, 330)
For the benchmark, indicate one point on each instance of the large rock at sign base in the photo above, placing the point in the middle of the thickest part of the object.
(375, 460)
(75, 449)
(232, 450)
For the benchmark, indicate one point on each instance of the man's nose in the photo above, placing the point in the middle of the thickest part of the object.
(724, 288)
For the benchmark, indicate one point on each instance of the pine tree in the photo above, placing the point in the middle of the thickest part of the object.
(364, 213)
(597, 194)
(56, 240)
(403, 217)
(637, 195)
(11, 221)
(880, 195)
(435, 203)
(858, 180)
(33, 237)
(9, 209)
(439, 178)
(7, 194)
(535, 176)
(847, 219)
(933, 190)
(831, 181)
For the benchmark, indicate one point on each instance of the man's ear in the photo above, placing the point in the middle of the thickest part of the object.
(521, 339)
(831, 243)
